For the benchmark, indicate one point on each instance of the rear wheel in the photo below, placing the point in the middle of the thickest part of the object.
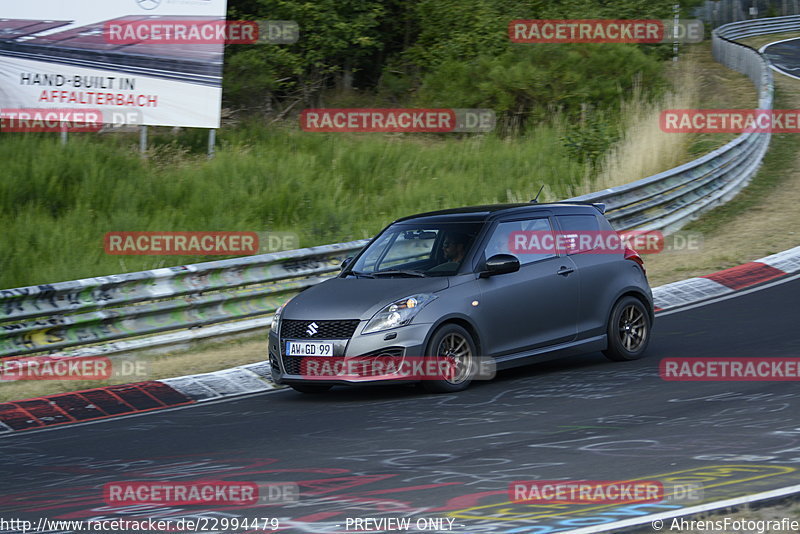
(628, 330)
(310, 388)
(455, 344)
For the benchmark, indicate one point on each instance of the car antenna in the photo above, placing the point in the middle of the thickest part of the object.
(536, 200)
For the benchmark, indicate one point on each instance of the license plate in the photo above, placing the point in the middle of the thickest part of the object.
(309, 348)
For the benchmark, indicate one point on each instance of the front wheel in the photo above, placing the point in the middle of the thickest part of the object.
(628, 330)
(455, 344)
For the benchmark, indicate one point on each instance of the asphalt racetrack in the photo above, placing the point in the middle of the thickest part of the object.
(785, 56)
(396, 452)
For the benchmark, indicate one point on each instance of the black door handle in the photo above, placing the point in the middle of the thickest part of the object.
(564, 271)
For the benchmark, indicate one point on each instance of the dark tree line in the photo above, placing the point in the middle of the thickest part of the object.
(453, 53)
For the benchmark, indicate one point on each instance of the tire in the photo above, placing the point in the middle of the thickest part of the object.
(454, 341)
(310, 388)
(628, 330)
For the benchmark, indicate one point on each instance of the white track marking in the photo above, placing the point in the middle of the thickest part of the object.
(773, 67)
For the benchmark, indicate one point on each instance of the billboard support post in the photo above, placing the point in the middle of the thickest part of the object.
(63, 137)
(143, 141)
(212, 137)
(676, 9)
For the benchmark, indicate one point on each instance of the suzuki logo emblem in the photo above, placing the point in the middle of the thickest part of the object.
(312, 329)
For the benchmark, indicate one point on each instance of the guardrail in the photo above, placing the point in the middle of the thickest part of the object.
(669, 200)
(749, 28)
(133, 307)
(170, 306)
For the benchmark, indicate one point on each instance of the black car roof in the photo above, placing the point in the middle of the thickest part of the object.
(484, 212)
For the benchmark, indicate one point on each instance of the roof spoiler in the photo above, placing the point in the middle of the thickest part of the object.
(599, 206)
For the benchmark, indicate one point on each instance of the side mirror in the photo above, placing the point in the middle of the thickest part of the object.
(346, 262)
(500, 264)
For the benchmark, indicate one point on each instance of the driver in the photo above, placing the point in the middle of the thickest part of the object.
(454, 247)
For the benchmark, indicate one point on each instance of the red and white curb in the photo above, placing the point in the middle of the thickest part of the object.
(126, 399)
(251, 378)
(756, 272)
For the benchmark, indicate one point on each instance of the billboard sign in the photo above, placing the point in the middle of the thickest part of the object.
(57, 54)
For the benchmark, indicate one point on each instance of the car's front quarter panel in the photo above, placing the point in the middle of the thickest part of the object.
(454, 304)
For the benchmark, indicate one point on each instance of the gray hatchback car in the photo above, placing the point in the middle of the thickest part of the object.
(510, 284)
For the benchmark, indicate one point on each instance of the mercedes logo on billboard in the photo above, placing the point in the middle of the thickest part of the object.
(148, 4)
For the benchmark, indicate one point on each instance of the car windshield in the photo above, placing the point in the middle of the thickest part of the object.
(409, 249)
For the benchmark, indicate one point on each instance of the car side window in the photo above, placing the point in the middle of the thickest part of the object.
(574, 225)
(513, 238)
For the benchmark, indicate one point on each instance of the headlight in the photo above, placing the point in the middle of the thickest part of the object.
(398, 313)
(276, 319)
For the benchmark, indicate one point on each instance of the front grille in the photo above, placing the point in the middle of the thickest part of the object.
(292, 364)
(293, 329)
(325, 329)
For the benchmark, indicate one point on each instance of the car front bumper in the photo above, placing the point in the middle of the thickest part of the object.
(398, 343)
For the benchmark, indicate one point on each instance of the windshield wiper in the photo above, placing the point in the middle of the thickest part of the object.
(400, 271)
(357, 273)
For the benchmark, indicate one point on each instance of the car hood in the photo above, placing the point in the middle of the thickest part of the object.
(356, 298)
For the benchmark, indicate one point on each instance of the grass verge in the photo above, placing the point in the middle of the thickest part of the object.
(58, 202)
(644, 150)
(763, 219)
(761, 40)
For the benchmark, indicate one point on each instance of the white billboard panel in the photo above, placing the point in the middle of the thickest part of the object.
(56, 54)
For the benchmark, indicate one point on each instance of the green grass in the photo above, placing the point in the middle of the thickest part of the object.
(773, 172)
(781, 156)
(57, 202)
(759, 41)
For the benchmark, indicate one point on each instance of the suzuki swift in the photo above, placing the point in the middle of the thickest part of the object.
(509, 284)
